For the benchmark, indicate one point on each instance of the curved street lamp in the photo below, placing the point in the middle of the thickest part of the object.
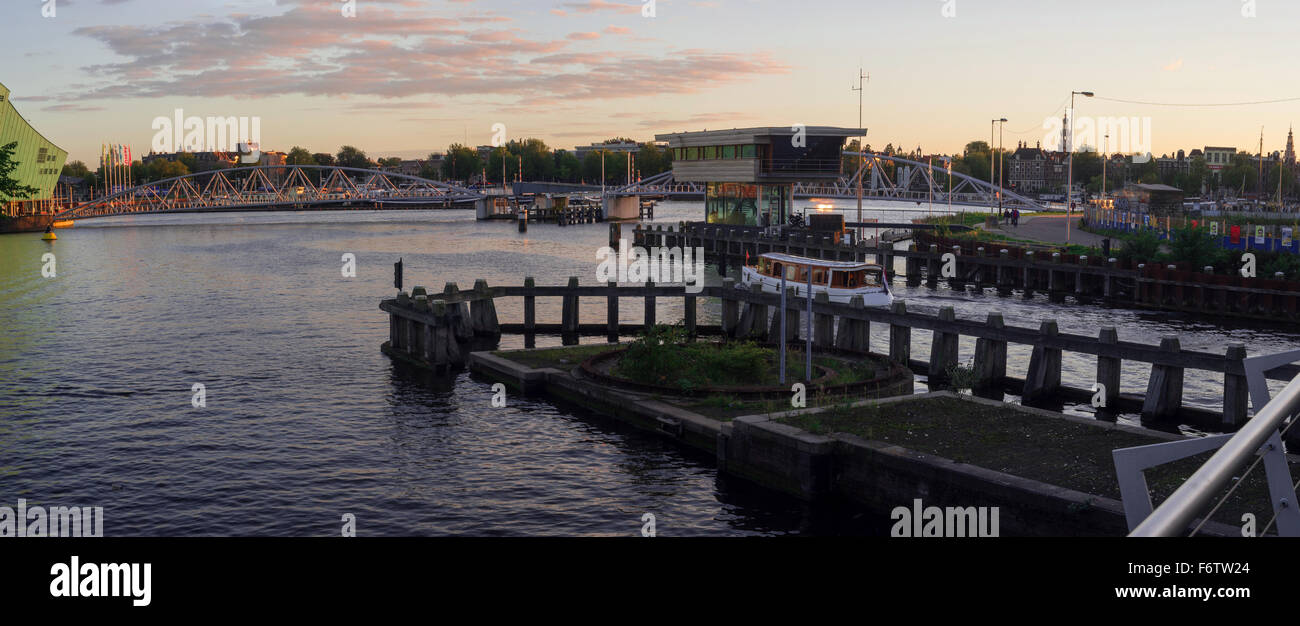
(1069, 184)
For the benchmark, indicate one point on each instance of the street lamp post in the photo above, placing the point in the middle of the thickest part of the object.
(992, 165)
(1069, 157)
(1002, 164)
(1105, 146)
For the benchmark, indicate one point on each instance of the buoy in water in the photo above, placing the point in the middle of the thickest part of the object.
(49, 237)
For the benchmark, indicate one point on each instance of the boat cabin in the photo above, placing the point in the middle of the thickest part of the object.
(837, 274)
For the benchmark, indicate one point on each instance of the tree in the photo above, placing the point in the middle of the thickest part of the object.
(567, 166)
(9, 186)
(299, 155)
(461, 162)
(323, 159)
(428, 169)
(390, 162)
(652, 160)
(349, 156)
(75, 169)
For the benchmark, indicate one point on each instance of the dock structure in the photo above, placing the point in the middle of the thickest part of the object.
(434, 331)
(1005, 269)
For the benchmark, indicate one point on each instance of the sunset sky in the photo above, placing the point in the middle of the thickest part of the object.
(407, 77)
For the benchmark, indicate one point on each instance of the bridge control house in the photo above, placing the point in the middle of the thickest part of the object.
(749, 173)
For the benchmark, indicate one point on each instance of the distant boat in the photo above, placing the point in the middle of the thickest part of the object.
(840, 280)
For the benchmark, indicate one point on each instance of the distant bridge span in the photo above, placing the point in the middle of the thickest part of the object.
(249, 188)
(916, 182)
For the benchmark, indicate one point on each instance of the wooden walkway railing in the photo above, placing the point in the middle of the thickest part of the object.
(431, 328)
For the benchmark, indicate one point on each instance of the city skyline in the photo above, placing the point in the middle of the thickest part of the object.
(405, 78)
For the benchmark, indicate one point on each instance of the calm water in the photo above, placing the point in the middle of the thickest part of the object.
(305, 419)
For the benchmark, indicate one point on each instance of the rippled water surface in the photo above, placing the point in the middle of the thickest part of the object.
(306, 420)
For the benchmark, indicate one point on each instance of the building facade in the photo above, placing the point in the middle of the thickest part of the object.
(749, 173)
(40, 162)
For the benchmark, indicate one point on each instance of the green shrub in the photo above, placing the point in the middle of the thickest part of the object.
(664, 355)
(1141, 247)
(1197, 248)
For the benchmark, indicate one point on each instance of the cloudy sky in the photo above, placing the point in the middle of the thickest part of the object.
(406, 77)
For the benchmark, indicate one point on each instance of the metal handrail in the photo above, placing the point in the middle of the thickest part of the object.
(1176, 513)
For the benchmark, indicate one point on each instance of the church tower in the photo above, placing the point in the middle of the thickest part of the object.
(1065, 132)
(1290, 147)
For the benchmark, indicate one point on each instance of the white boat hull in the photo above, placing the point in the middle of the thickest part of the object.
(871, 296)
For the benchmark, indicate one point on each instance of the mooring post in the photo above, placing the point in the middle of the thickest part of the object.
(1029, 274)
(823, 323)
(1165, 386)
(730, 308)
(1236, 393)
(991, 357)
(611, 312)
(1109, 368)
(615, 233)
(530, 313)
(649, 305)
(1003, 272)
(1108, 288)
(1044, 377)
(569, 314)
(943, 348)
(900, 336)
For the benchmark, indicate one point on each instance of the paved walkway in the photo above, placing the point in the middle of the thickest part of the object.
(1050, 229)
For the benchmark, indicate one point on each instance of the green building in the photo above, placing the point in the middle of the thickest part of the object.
(39, 161)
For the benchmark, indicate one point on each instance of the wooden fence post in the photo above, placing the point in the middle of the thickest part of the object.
(1044, 377)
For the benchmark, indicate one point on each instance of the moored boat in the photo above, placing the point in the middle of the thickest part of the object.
(840, 280)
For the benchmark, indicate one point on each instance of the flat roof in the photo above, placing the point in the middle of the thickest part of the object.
(803, 260)
(751, 135)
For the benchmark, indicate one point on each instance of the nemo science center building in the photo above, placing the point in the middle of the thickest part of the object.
(749, 173)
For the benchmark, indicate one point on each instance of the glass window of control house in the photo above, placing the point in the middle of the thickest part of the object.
(731, 203)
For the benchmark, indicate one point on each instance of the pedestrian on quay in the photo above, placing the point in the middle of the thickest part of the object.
(1015, 218)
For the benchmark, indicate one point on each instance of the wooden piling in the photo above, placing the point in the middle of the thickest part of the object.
(943, 349)
(900, 336)
(991, 358)
(649, 306)
(611, 313)
(1165, 385)
(730, 308)
(823, 324)
(688, 315)
(483, 311)
(1043, 379)
(1236, 393)
(569, 316)
(853, 334)
(1109, 368)
(791, 318)
(530, 314)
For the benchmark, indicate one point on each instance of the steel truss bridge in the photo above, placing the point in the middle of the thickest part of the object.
(285, 187)
(913, 181)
